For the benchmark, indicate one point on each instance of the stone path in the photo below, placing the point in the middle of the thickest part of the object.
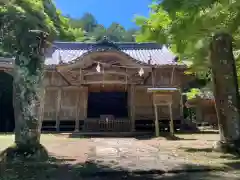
(131, 154)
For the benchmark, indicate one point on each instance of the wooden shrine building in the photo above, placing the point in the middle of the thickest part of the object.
(103, 86)
(203, 107)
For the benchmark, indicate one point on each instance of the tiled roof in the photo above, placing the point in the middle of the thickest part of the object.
(67, 52)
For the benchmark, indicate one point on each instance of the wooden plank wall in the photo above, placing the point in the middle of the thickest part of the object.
(69, 103)
(144, 106)
(50, 104)
(73, 102)
(63, 102)
(163, 77)
(53, 79)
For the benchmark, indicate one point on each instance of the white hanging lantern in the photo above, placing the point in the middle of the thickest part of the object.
(141, 72)
(98, 68)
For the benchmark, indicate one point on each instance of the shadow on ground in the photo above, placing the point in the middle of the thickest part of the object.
(199, 132)
(192, 150)
(139, 136)
(59, 169)
(233, 165)
(229, 156)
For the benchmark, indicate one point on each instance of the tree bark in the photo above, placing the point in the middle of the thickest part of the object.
(225, 89)
(28, 93)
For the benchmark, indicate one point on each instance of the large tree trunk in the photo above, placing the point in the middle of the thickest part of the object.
(225, 90)
(28, 77)
(28, 90)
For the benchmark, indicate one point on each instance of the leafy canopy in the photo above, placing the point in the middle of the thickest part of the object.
(95, 31)
(187, 26)
(17, 17)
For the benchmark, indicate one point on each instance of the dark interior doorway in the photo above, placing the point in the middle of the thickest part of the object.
(111, 103)
(7, 123)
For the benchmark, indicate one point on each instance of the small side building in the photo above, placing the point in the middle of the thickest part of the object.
(204, 109)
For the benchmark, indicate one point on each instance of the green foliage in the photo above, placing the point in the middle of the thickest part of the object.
(95, 32)
(188, 26)
(193, 93)
(17, 17)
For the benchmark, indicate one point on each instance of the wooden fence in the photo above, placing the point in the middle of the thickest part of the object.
(107, 125)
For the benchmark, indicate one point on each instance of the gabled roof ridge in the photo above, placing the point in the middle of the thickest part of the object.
(73, 42)
(79, 42)
(118, 45)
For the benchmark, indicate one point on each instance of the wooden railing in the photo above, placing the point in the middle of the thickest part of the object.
(109, 125)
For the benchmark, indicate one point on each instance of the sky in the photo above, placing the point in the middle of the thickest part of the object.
(106, 11)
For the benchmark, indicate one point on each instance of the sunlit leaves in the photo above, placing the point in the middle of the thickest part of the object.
(193, 93)
(189, 25)
(18, 17)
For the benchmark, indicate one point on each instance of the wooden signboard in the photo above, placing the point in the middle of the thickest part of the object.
(162, 99)
(163, 96)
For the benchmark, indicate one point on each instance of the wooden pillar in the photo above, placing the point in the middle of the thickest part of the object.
(58, 109)
(132, 108)
(153, 77)
(156, 120)
(171, 119)
(77, 107)
(52, 78)
(85, 100)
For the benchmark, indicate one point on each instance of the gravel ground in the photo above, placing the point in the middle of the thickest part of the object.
(123, 158)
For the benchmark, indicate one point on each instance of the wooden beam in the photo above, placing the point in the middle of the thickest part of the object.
(153, 77)
(172, 75)
(147, 78)
(90, 66)
(81, 76)
(118, 69)
(106, 72)
(132, 108)
(63, 87)
(79, 62)
(64, 78)
(126, 81)
(85, 99)
(105, 82)
(58, 109)
(171, 119)
(52, 78)
(156, 120)
(77, 112)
